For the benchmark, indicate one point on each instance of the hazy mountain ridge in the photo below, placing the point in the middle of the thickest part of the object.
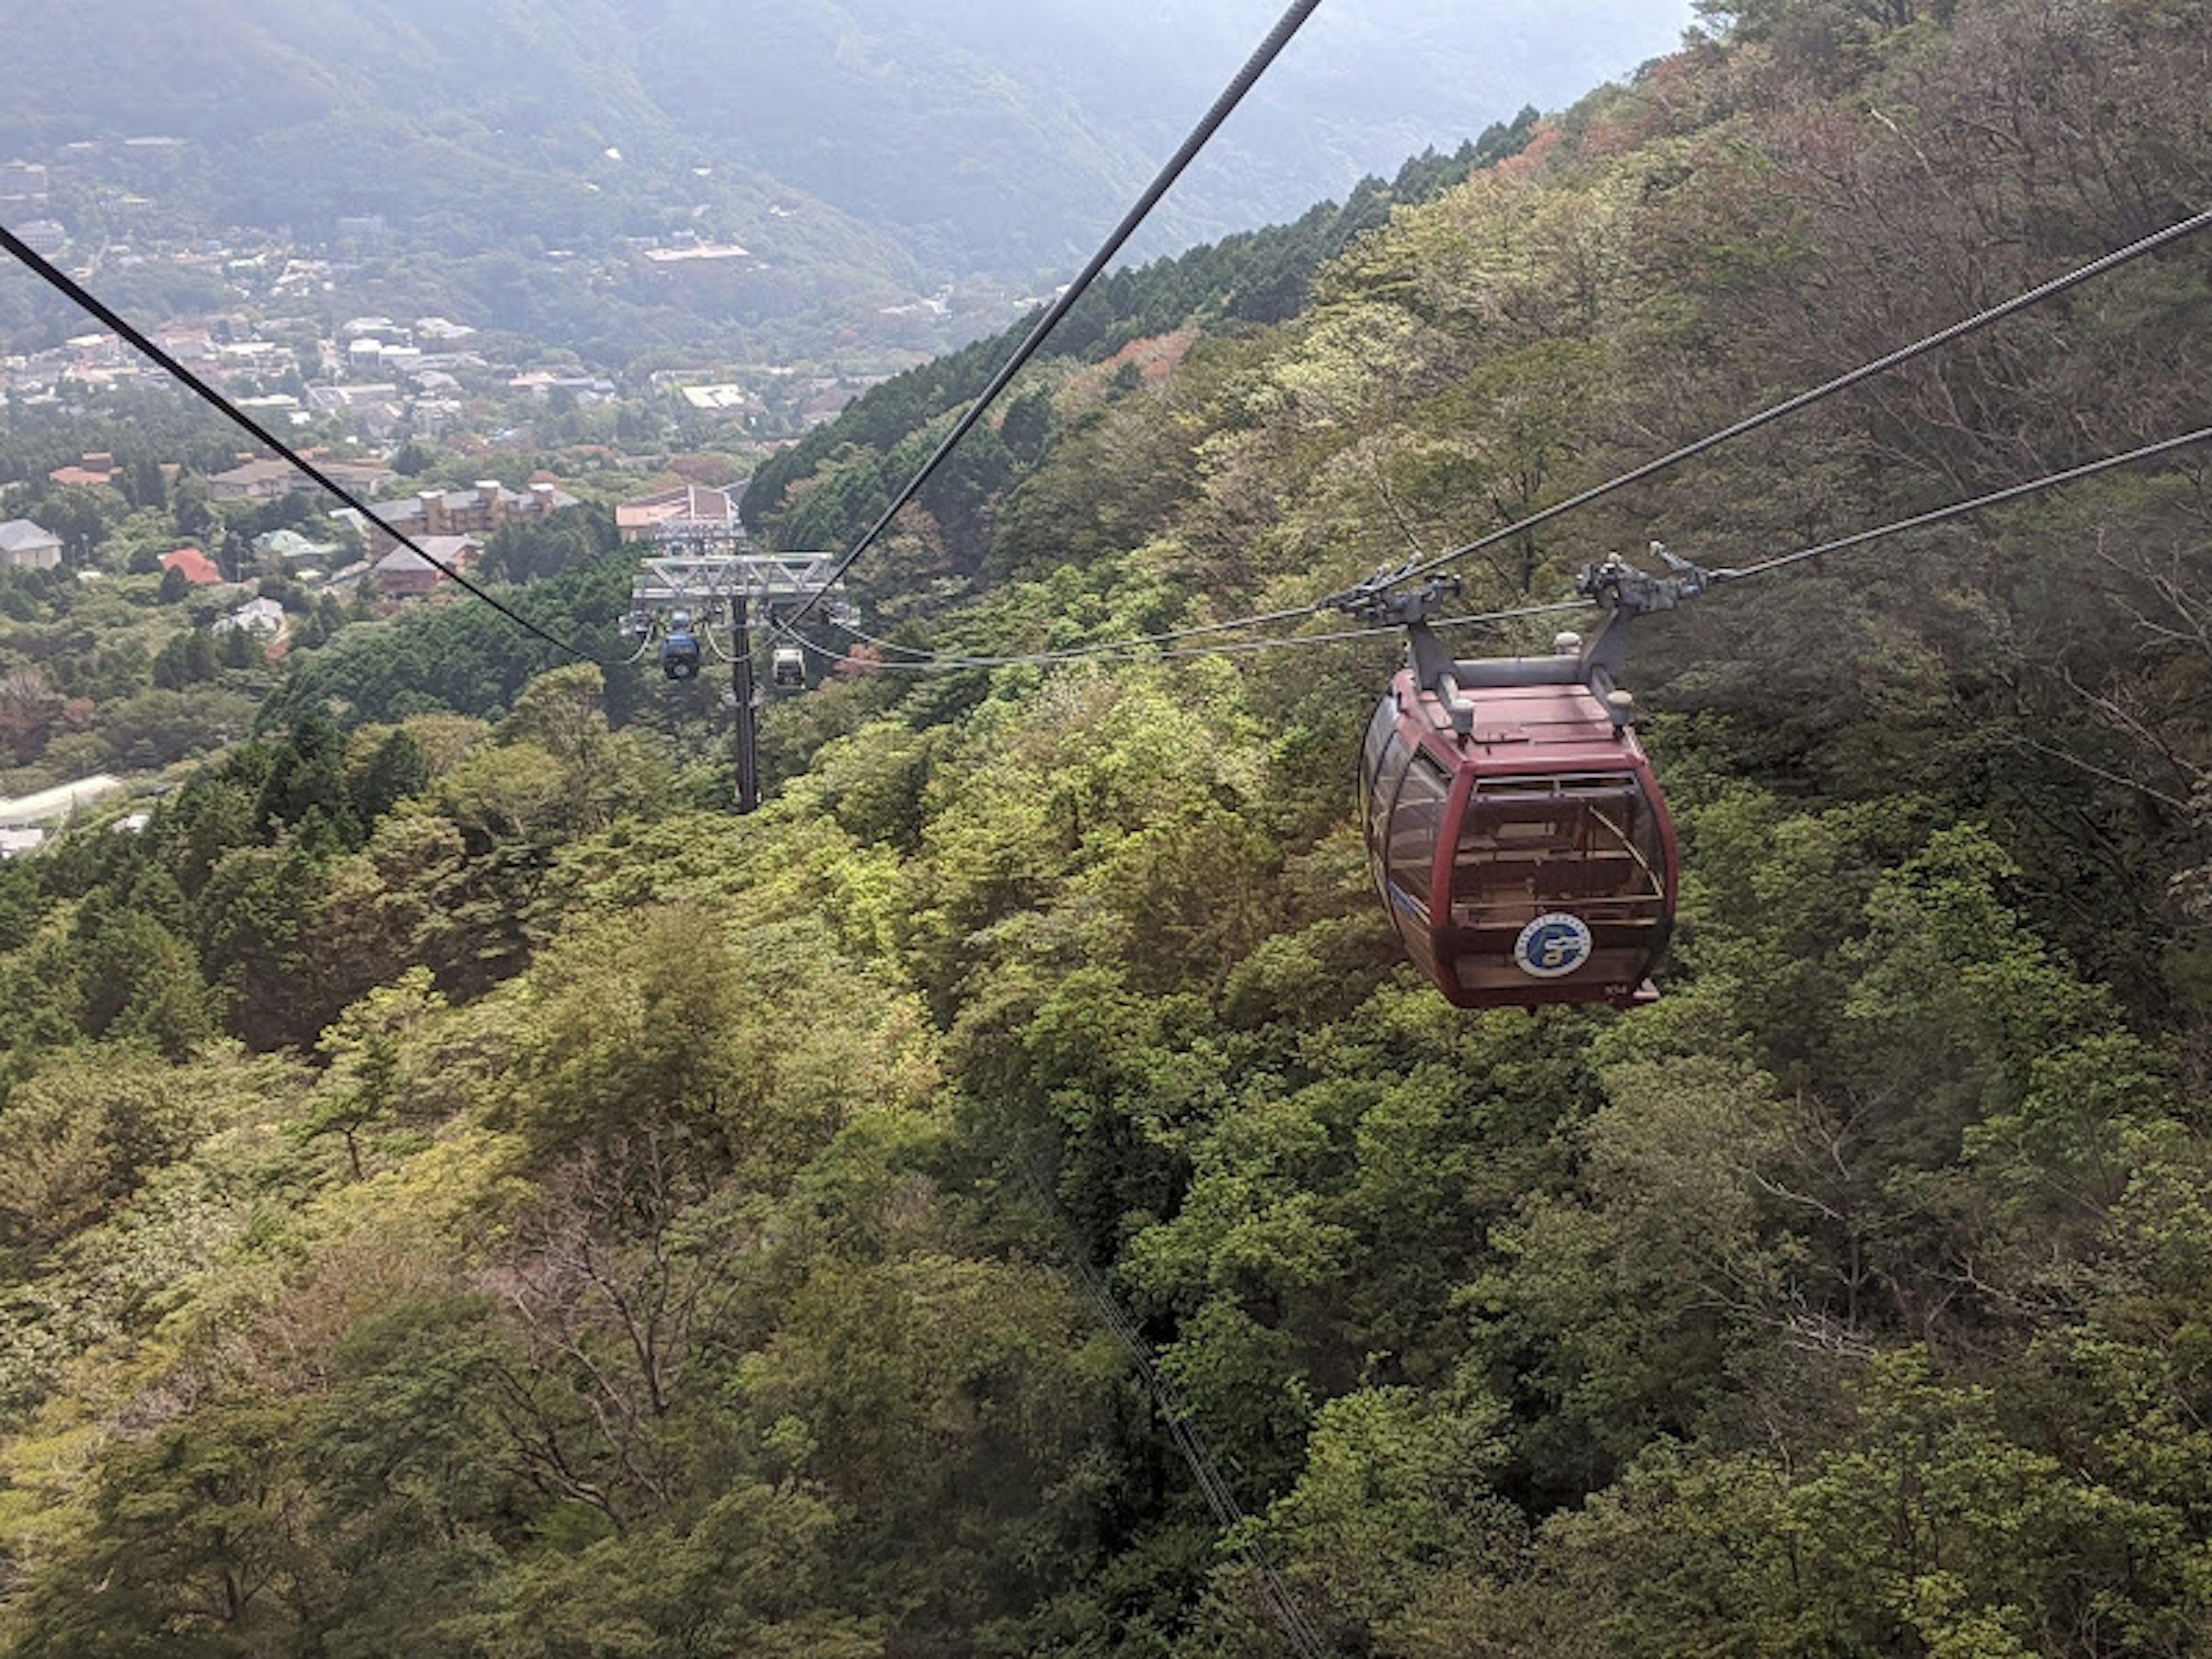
(991, 139)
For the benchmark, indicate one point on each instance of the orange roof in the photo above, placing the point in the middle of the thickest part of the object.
(199, 570)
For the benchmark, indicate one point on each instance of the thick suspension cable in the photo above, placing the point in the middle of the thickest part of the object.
(1957, 330)
(1979, 503)
(1277, 38)
(86, 300)
(1133, 651)
(1139, 651)
(1421, 567)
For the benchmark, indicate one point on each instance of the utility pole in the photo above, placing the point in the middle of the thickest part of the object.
(741, 683)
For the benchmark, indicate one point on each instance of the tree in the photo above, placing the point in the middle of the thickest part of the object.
(1396, 1509)
(394, 769)
(421, 1504)
(142, 983)
(84, 1131)
(144, 485)
(254, 924)
(28, 707)
(366, 1084)
(306, 776)
(199, 1547)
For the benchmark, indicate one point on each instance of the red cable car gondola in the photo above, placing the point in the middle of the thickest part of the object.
(1513, 824)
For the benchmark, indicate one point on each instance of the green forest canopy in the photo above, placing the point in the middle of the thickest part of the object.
(463, 1195)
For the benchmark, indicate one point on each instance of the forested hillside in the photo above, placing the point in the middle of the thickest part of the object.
(979, 137)
(463, 1192)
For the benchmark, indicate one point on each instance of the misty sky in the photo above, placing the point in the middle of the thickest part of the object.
(1391, 75)
(1384, 78)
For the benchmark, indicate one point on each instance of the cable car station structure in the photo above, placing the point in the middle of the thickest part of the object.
(706, 582)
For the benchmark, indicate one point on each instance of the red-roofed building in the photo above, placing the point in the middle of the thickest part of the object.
(692, 508)
(96, 469)
(199, 570)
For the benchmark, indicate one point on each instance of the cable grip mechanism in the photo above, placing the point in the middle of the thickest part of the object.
(1616, 586)
(1373, 603)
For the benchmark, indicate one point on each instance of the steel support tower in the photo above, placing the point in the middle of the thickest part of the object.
(722, 586)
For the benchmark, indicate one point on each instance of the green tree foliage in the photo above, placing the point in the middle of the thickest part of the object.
(644, 1231)
(1258, 277)
(393, 769)
(538, 550)
(464, 659)
(82, 1134)
(200, 1549)
(141, 981)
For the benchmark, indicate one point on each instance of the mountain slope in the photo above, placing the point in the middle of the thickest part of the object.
(463, 1192)
(991, 136)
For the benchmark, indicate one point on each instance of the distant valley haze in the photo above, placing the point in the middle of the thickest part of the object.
(796, 182)
(984, 135)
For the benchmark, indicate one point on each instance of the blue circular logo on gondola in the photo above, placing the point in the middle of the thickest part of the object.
(1554, 946)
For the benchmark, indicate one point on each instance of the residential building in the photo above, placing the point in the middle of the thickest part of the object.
(291, 547)
(195, 348)
(377, 409)
(199, 570)
(730, 402)
(97, 468)
(254, 617)
(586, 389)
(362, 477)
(349, 399)
(271, 480)
(479, 512)
(28, 546)
(257, 481)
(700, 253)
(403, 574)
(45, 237)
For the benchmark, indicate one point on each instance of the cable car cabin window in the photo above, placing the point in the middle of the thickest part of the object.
(1370, 754)
(1588, 846)
(1381, 766)
(1527, 845)
(1416, 824)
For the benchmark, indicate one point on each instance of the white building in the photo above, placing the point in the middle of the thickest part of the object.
(256, 616)
(28, 546)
